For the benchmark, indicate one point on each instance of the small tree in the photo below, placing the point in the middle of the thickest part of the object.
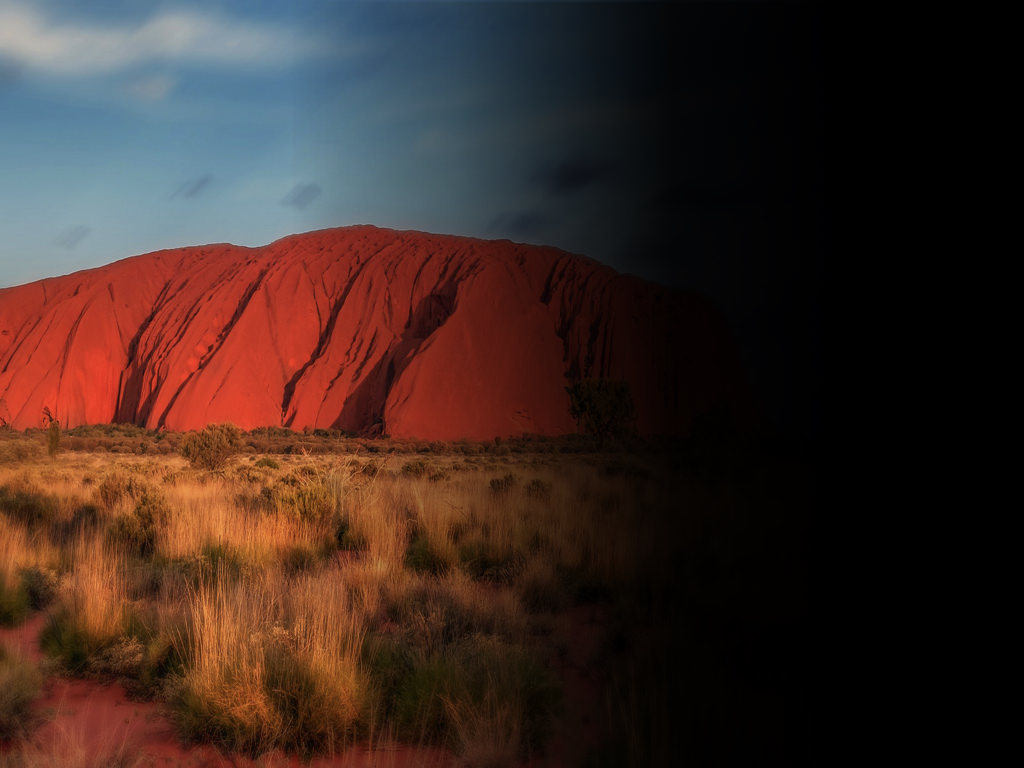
(213, 446)
(602, 407)
(53, 438)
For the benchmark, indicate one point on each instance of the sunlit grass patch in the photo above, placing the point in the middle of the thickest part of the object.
(272, 663)
(91, 605)
(308, 603)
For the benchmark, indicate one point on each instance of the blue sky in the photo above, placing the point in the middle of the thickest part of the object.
(127, 127)
(683, 142)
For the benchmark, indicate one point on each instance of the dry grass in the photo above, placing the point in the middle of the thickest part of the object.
(19, 685)
(95, 590)
(488, 733)
(313, 602)
(73, 749)
(272, 662)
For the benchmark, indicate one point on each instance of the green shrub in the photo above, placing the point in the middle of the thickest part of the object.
(118, 485)
(389, 662)
(289, 706)
(137, 531)
(301, 558)
(268, 463)
(70, 644)
(27, 504)
(305, 498)
(14, 603)
(40, 585)
(211, 447)
(122, 658)
(472, 676)
(419, 706)
(160, 660)
(19, 685)
(421, 557)
(213, 560)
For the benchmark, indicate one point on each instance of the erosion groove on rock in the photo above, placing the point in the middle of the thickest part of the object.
(363, 329)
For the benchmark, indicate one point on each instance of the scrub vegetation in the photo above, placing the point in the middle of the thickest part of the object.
(457, 597)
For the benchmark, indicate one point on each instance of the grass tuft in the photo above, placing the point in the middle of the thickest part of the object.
(19, 686)
(14, 603)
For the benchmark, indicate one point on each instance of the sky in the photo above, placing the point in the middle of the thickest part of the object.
(680, 142)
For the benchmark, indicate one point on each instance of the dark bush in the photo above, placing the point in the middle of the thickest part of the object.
(14, 603)
(422, 558)
(417, 468)
(213, 446)
(119, 485)
(137, 531)
(501, 485)
(346, 538)
(40, 585)
(63, 639)
(27, 504)
(300, 558)
(602, 408)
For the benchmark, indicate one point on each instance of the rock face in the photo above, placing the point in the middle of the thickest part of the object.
(363, 329)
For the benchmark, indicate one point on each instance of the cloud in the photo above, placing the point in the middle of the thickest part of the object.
(526, 223)
(72, 236)
(156, 88)
(75, 48)
(573, 175)
(193, 187)
(301, 195)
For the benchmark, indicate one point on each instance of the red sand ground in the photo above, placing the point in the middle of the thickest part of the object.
(362, 329)
(90, 718)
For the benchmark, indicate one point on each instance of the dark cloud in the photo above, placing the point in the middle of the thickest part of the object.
(526, 223)
(302, 195)
(72, 236)
(193, 187)
(572, 175)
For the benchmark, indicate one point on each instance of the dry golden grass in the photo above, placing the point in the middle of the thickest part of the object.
(19, 549)
(74, 749)
(206, 516)
(314, 602)
(95, 590)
